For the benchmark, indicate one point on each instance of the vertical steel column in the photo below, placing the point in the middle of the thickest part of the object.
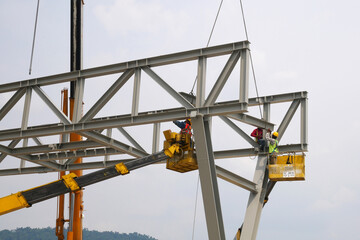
(76, 101)
(156, 138)
(208, 180)
(304, 121)
(256, 200)
(70, 234)
(201, 82)
(244, 76)
(76, 10)
(266, 112)
(25, 119)
(136, 93)
(60, 220)
(108, 134)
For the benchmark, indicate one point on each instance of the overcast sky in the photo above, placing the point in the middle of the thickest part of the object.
(296, 46)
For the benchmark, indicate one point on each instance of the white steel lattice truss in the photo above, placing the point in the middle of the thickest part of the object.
(59, 156)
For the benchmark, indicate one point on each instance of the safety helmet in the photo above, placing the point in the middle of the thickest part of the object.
(189, 120)
(276, 134)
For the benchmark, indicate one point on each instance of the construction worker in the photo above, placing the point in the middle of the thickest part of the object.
(273, 146)
(258, 135)
(184, 125)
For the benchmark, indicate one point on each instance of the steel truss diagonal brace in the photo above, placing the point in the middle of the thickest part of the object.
(256, 122)
(8, 151)
(287, 119)
(208, 180)
(11, 145)
(63, 118)
(12, 101)
(239, 131)
(235, 179)
(130, 138)
(224, 75)
(108, 95)
(167, 88)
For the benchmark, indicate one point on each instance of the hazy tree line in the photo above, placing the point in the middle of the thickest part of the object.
(49, 233)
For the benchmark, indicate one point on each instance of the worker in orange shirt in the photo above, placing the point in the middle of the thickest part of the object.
(184, 125)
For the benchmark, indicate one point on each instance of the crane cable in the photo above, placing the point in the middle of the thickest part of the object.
(208, 42)
(254, 76)
(251, 60)
(197, 191)
(33, 43)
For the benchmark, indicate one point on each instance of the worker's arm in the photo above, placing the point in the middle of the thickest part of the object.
(179, 124)
(255, 133)
(271, 140)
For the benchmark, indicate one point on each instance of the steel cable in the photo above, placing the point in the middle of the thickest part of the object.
(251, 60)
(208, 42)
(33, 43)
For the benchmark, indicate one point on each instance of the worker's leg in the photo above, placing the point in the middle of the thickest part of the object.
(273, 158)
(262, 144)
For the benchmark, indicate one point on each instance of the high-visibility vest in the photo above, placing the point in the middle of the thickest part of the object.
(274, 147)
(186, 129)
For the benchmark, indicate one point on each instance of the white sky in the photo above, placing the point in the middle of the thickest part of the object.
(296, 46)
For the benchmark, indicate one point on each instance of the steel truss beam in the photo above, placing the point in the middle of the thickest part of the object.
(73, 154)
(122, 67)
(222, 108)
(86, 151)
(201, 109)
(106, 141)
(122, 121)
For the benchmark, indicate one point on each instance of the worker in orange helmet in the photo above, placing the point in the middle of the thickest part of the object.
(184, 125)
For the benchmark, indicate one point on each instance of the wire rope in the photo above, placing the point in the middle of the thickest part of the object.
(251, 60)
(208, 42)
(197, 191)
(33, 43)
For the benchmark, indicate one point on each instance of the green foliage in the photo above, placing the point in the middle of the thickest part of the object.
(49, 233)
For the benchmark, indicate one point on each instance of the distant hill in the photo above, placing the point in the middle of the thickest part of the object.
(49, 233)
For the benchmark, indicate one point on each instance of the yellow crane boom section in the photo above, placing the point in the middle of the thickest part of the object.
(174, 148)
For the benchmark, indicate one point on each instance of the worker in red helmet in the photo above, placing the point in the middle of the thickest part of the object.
(184, 125)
